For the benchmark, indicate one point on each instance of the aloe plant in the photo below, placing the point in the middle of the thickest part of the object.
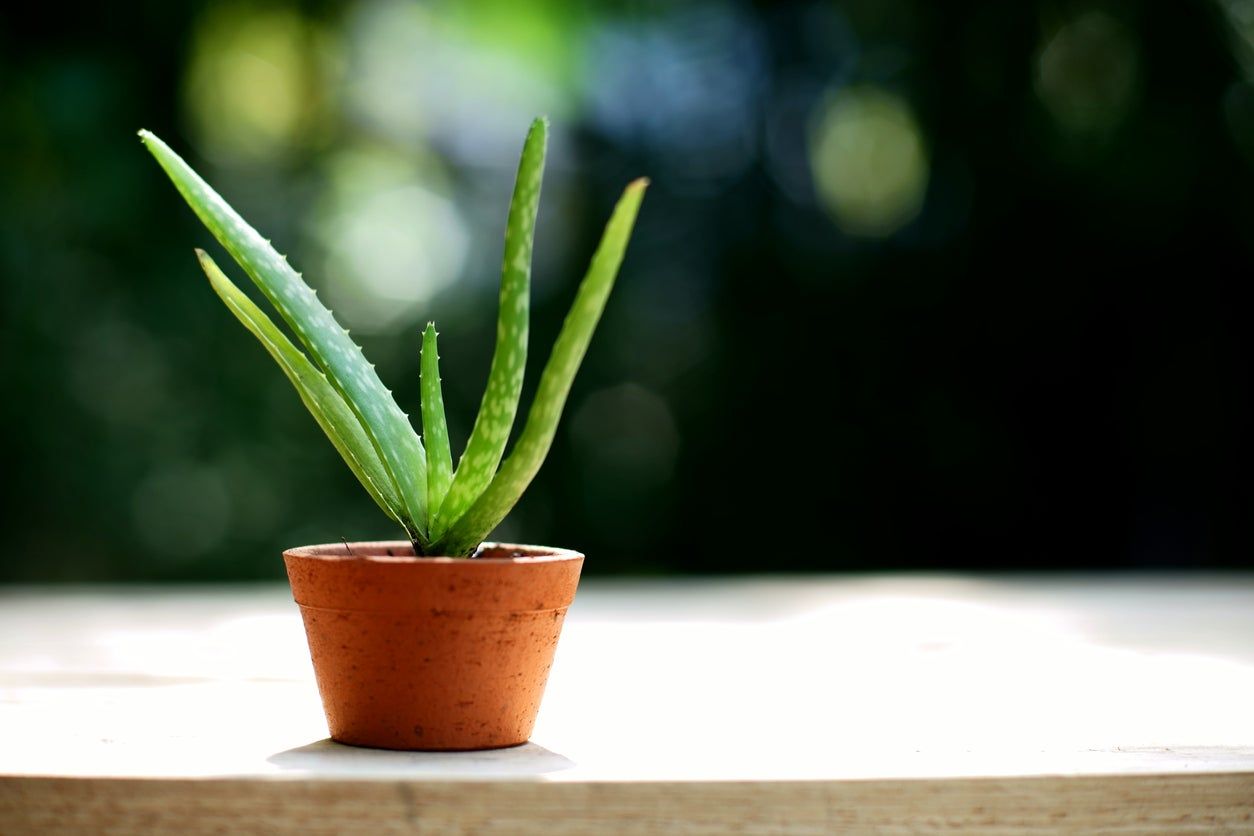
(444, 511)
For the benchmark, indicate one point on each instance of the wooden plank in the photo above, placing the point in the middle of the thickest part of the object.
(1214, 803)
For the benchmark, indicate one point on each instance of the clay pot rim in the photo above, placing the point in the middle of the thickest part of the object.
(335, 553)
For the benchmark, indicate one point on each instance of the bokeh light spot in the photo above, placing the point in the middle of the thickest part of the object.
(1086, 73)
(466, 76)
(686, 85)
(1240, 17)
(118, 371)
(392, 239)
(252, 81)
(181, 510)
(869, 161)
(627, 434)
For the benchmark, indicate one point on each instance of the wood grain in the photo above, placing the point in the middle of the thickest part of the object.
(1214, 803)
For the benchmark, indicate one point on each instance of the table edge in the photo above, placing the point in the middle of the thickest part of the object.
(1150, 802)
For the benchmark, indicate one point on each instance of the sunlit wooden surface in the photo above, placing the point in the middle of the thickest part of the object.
(805, 704)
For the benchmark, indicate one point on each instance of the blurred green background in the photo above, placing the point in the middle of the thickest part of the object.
(917, 285)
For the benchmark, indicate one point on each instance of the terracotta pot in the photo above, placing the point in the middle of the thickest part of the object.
(432, 652)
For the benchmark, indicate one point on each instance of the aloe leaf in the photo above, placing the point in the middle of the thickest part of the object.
(325, 404)
(572, 342)
(434, 426)
(492, 426)
(328, 343)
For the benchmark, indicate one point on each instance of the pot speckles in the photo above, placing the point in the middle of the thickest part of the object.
(432, 653)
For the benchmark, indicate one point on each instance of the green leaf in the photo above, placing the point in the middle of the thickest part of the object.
(327, 342)
(487, 440)
(319, 396)
(434, 428)
(568, 351)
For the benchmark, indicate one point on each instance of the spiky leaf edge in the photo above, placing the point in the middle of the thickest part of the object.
(324, 403)
(434, 424)
(347, 369)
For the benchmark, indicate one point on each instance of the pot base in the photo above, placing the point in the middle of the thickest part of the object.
(380, 748)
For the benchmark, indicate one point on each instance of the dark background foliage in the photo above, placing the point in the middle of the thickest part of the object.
(916, 286)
